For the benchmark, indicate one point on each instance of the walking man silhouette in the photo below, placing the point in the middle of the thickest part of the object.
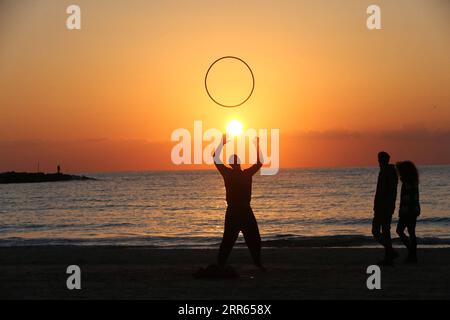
(384, 206)
(239, 214)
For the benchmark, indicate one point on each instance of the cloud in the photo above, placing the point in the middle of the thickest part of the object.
(404, 134)
(327, 148)
(330, 134)
(417, 135)
(359, 148)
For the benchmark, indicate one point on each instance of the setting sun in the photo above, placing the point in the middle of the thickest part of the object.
(234, 128)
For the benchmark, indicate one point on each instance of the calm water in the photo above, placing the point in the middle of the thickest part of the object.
(331, 206)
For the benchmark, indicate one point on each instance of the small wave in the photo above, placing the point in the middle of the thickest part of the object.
(368, 221)
(342, 241)
(276, 241)
(131, 240)
(434, 220)
(38, 227)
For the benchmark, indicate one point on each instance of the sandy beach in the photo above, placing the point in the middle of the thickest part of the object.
(147, 273)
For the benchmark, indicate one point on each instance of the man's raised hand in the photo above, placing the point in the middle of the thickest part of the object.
(224, 139)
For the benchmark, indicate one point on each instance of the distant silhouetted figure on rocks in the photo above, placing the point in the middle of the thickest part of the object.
(409, 207)
(239, 215)
(384, 206)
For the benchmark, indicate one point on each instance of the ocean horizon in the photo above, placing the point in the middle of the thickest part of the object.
(304, 207)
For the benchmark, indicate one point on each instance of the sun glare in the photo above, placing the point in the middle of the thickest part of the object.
(234, 128)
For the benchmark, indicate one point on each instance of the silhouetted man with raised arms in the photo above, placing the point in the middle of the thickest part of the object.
(384, 206)
(239, 215)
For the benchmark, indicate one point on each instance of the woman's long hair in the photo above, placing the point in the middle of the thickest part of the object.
(408, 171)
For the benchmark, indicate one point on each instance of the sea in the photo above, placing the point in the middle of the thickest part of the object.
(185, 209)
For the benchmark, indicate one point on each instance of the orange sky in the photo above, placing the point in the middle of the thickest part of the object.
(107, 97)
